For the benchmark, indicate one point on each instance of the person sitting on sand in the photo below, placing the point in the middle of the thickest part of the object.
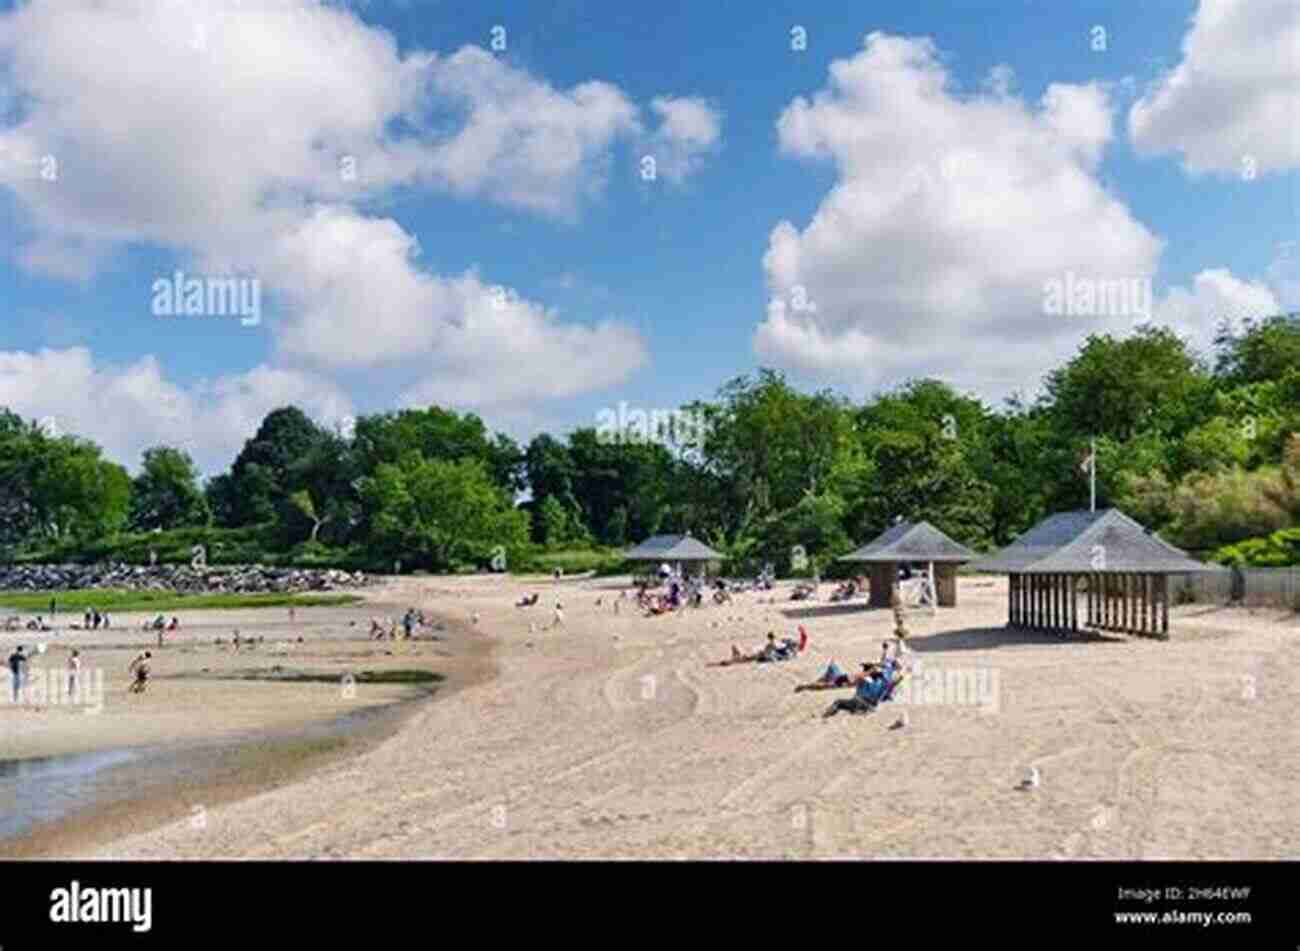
(739, 657)
(788, 647)
(140, 667)
(769, 652)
(804, 591)
(834, 677)
(866, 696)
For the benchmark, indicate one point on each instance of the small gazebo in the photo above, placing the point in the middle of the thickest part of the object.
(912, 542)
(1126, 568)
(675, 550)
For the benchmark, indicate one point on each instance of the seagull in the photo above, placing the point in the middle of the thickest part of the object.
(1032, 780)
(900, 723)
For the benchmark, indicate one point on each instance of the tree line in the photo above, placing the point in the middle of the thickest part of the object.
(1202, 447)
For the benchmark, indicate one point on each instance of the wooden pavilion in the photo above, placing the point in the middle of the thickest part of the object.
(909, 542)
(674, 550)
(1115, 567)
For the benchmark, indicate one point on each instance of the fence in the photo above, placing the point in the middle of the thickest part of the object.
(1253, 587)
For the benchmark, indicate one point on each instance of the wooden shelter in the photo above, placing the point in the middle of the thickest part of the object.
(1100, 570)
(909, 542)
(675, 550)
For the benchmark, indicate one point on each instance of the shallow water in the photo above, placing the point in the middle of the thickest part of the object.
(47, 788)
(40, 790)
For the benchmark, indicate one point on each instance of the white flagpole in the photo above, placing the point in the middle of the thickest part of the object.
(1092, 474)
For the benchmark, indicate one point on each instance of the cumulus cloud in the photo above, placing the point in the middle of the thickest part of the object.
(1232, 98)
(253, 138)
(1216, 295)
(951, 215)
(690, 130)
(523, 142)
(129, 408)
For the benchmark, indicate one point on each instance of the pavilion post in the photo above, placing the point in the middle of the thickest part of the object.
(1146, 604)
(1074, 604)
(1164, 604)
(1127, 580)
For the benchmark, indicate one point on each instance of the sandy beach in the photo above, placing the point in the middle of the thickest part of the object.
(216, 724)
(610, 737)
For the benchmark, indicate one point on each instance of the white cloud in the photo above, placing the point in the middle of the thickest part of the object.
(690, 130)
(1233, 96)
(951, 213)
(127, 409)
(229, 133)
(1215, 295)
(523, 142)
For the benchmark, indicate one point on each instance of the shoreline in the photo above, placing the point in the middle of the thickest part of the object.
(162, 783)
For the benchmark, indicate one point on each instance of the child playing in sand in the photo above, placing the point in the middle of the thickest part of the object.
(140, 667)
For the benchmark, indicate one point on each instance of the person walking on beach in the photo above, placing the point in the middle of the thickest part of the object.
(140, 667)
(18, 672)
(74, 670)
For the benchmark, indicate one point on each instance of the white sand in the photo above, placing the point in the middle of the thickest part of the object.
(611, 738)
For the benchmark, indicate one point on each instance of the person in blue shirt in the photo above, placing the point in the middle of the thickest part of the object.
(866, 695)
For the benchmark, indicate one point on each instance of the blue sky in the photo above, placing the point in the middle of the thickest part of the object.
(203, 137)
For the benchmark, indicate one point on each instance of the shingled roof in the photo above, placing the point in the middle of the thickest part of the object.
(911, 541)
(672, 548)
(1085, 542)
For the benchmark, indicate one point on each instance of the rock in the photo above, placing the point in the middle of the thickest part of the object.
(182, 579)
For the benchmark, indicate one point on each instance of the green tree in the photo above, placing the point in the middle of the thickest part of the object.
(166, 493)
(434, 512)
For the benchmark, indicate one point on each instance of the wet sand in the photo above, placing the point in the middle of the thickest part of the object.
(214, 726)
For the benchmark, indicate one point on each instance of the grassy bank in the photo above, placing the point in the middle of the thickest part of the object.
(112, 601)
